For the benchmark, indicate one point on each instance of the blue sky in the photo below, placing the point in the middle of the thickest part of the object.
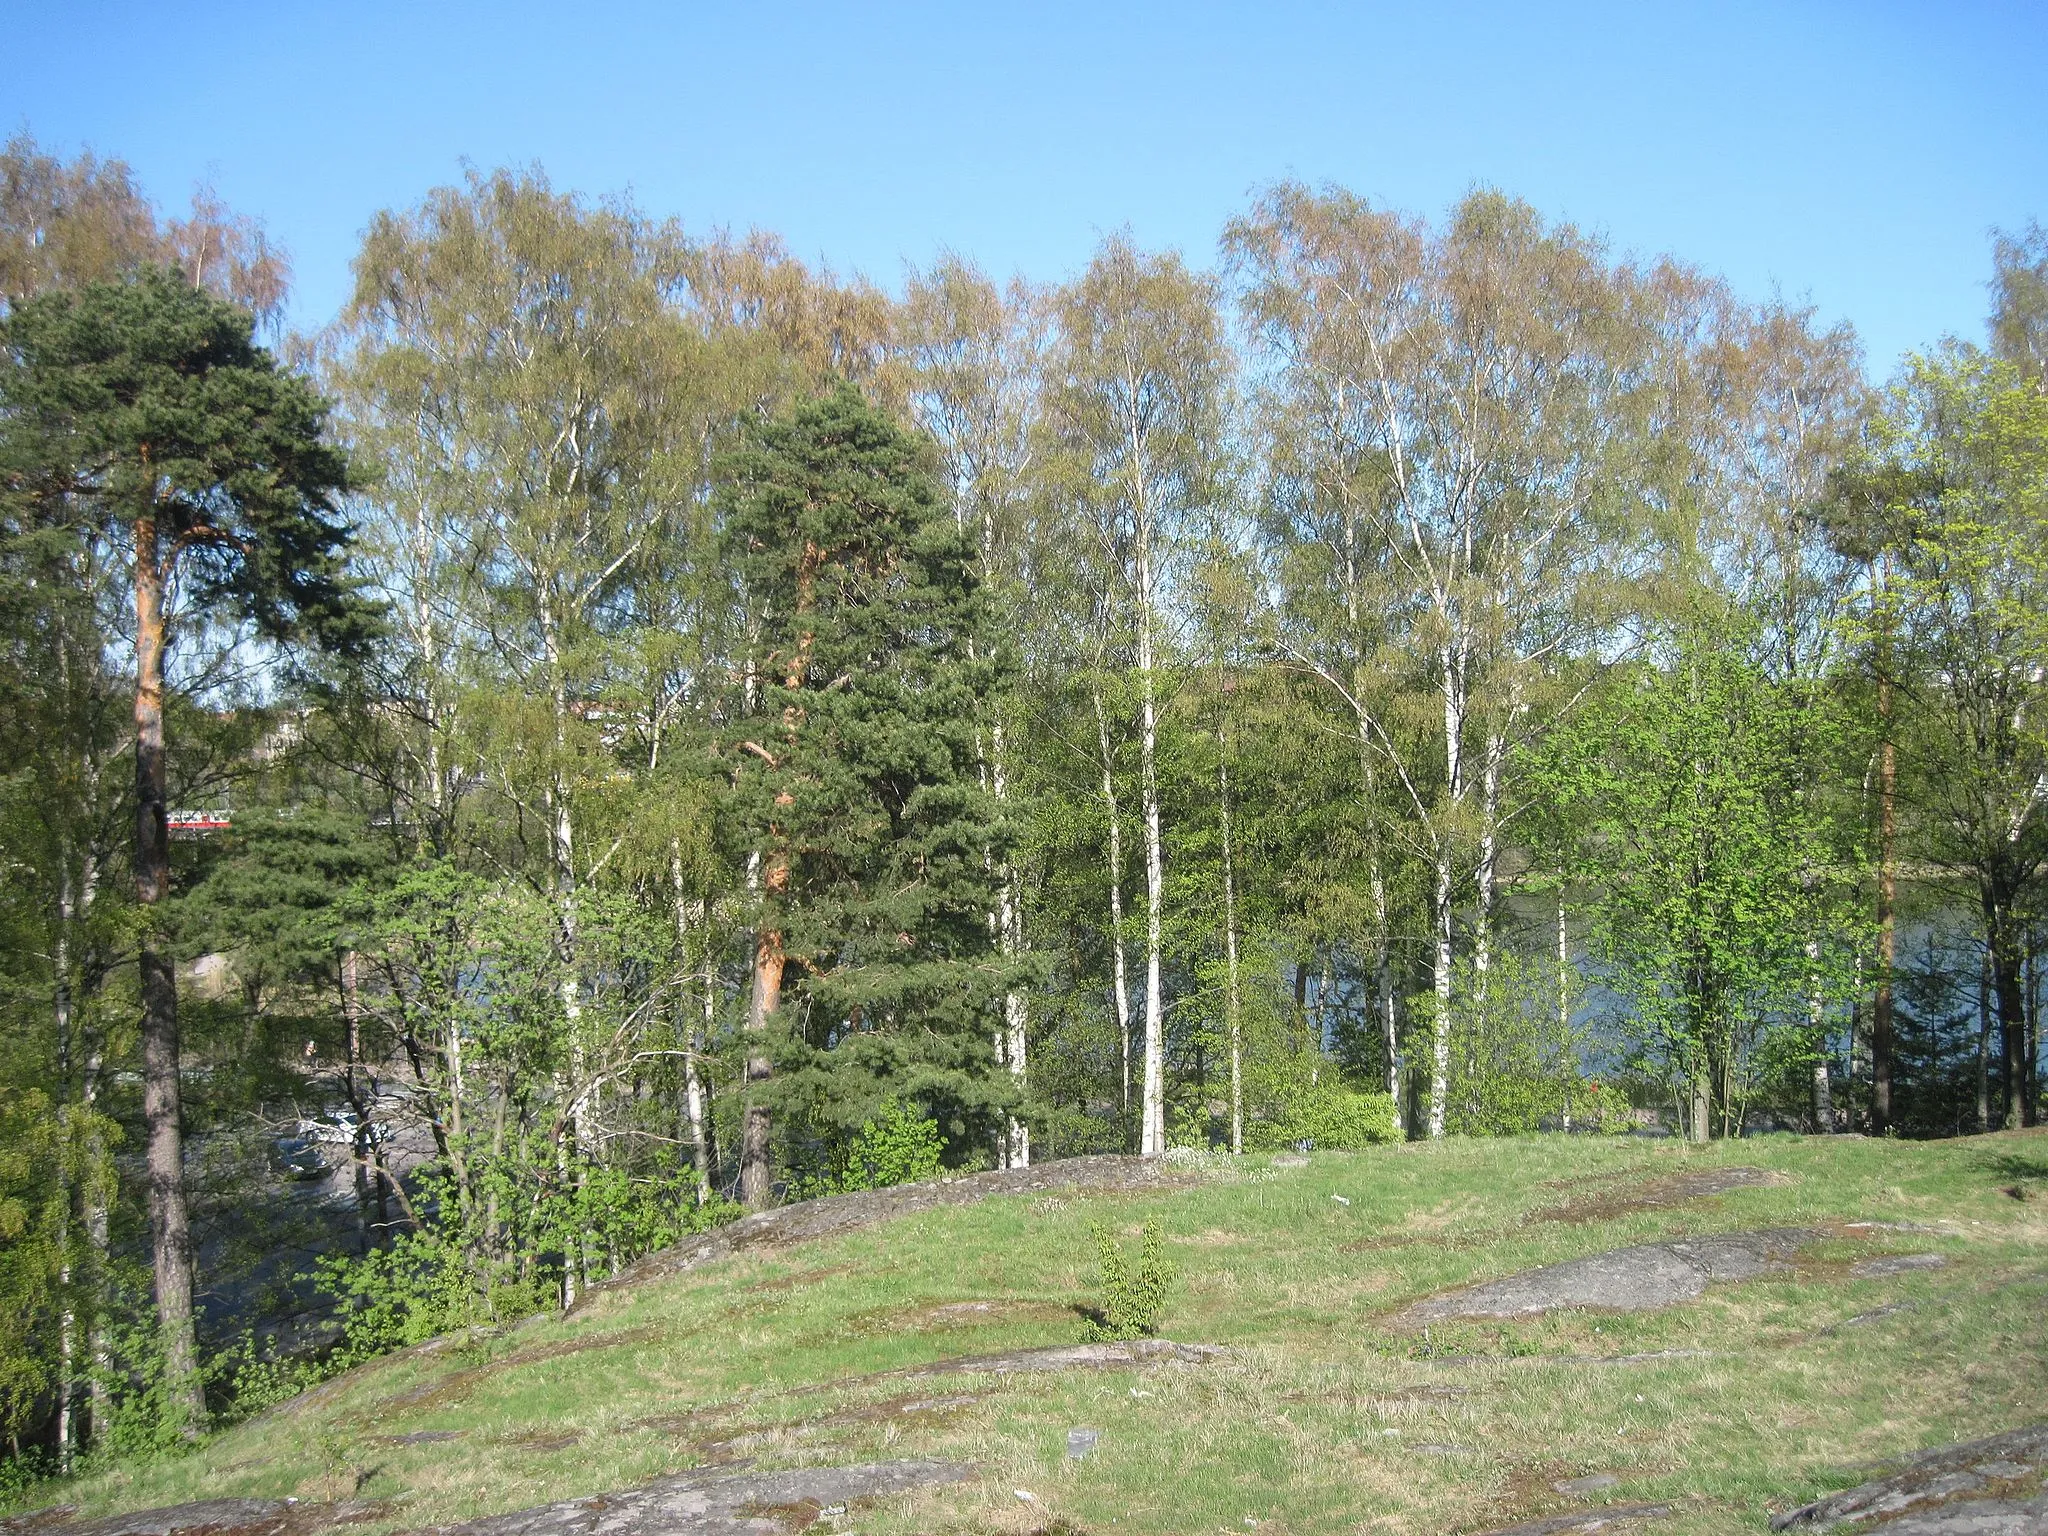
(1855, 156)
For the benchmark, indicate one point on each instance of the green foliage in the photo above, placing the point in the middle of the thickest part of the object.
(1133, 1302)
(1326, 1114)
(1720, 885)
(859, 784)
(1514, 1064)
(48, 1156)
(897, 1146)
(442, 1276)
(149, 398)
(249, 1376)
(31, 1251)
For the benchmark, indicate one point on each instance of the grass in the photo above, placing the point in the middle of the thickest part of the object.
(1329, 1415)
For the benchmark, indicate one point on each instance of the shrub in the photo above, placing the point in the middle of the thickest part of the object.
(898, 1146)
(1326, 1115)
(1132, 1304)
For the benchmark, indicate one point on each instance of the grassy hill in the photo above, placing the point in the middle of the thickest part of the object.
(1330, 1412)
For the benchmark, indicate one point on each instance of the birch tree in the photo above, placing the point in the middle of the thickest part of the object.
(532, 344)
(1461, 393)
(1137, 399)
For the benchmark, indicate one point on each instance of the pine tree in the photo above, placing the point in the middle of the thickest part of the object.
(858, 788)
(145, 410)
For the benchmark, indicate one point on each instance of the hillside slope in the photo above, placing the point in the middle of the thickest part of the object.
(1345, 1399)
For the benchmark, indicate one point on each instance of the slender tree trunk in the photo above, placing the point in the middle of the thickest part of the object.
(1984, 1043)
(1488, 869)
(1440, 976)
(757, 1171)
(1119, 975)
(1816, 1022)
(1152, 1141)
(364, 1138)
(2033, 1031)
(707, 1147)
(2003, 955)
(1010, 940)
(162, 1105)
(1383, 985)
(96, 1246)
(1564, 999)
(568, 918)
(1452, 659)
(689, 1037)
(62, 1005)
(1232, 1001)
(1887, 930)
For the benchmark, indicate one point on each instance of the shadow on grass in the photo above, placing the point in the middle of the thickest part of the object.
(2017, 1168)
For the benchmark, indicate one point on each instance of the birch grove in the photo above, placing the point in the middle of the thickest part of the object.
(762, 733)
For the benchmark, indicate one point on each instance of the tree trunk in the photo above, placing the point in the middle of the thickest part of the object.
(1488, 869)
(365, 1136)
(562, 854)
(1816, 1021)
(757, 1172)
(96, 1241)
(67, 1320)
(1119, 976)
(1232, 1001)
(1010, 940)
(757, 1177)
(1887, 932)
(1564, 999)
(2002, 953)
(1984, 1043)
(707, 1123)
(687, 1033)
(162, 1106)
(1152, 1140)
(1440, 977)
(2033, 1040)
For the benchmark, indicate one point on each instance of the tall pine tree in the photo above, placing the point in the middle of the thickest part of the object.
(145, 412)
(860, 788)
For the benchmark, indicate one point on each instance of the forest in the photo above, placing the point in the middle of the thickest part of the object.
(625, 726)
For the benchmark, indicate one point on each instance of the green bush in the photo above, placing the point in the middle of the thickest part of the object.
(898, 1146)
(448, 1274)
(1132, 1304)
(1326, 1115)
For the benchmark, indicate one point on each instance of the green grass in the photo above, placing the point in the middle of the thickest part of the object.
(1313, 1422)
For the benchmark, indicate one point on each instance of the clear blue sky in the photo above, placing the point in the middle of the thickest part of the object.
(1851, 155)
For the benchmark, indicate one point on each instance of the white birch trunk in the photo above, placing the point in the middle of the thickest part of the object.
(1440, 976)
(1232, 1001)
(1153, 1140)
(1816, 1018)
(692, 1041)
(1120, 985)
(562, 851)
(1452, 660)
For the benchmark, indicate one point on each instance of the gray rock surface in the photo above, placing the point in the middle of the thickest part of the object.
(1592, 1482)
(1896, 1264)
(1607, 1519)
(720, 1503)
(1068, 1357)
(1948, 1482)
(1640, 1279)
(207, 1517)
(1973, 1517)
